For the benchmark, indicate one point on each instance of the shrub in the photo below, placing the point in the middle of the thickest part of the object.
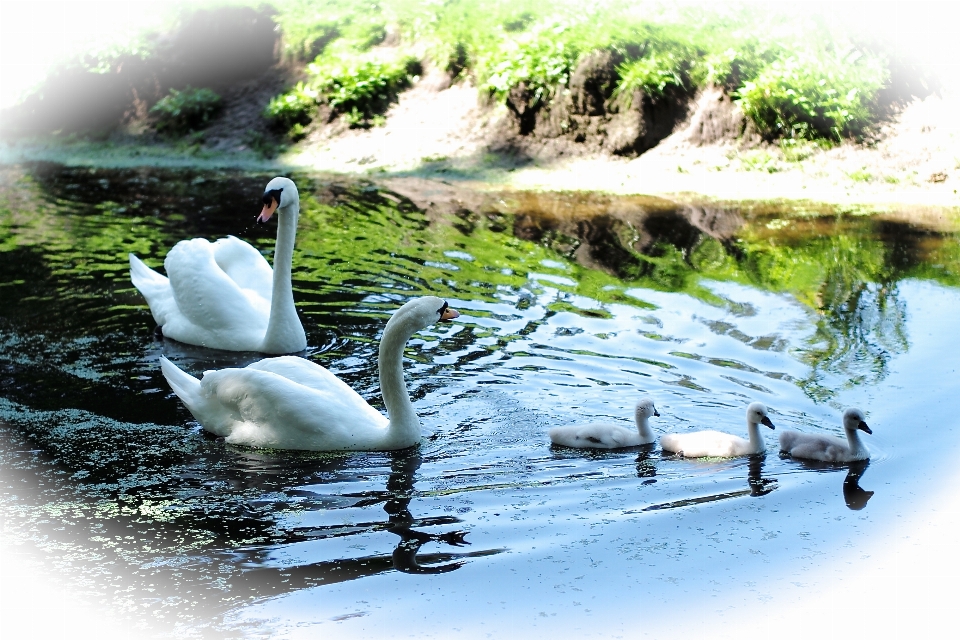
(360, 85)
(293, 109)
(805, 96)
(653, 74)
(541, 60)
(182, 111)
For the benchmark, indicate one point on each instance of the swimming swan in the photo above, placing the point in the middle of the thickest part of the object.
(608, 436)
(716, 444)
(829, 448)
(292, 403)
(223, 294)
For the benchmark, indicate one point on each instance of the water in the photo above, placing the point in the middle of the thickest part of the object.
(573, 308)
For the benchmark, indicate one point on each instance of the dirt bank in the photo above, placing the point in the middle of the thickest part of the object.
(688, 151)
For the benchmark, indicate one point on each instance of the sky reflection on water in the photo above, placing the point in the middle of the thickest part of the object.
(564, 320)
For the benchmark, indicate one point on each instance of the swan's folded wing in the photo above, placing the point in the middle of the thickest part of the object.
(245, 266)
(273, 411)
(206, 296)
(307, 373)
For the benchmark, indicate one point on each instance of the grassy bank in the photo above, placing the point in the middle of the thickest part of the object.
(796, 75)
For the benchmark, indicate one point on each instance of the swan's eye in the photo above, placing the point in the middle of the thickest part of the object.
(443, 308)
(269, 197)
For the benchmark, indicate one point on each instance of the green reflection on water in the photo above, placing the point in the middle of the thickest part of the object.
(80, 379)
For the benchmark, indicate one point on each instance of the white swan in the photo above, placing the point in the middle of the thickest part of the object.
(716, 444)
(224, 295)
(608, 436)
(829, 448)
(292, 403)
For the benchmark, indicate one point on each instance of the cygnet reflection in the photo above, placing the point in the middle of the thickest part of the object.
(756, 483)
(646, 464)
(854, 495)
(759, 486)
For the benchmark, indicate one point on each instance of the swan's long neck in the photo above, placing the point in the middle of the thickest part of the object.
(857, 449)
(404, 423)
(757, 445)
(284, 331)
(646, 433)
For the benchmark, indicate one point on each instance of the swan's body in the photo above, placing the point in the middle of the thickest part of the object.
(292, 403)
(716, 444)
(223, 294)
(608, 436)
(829, 448)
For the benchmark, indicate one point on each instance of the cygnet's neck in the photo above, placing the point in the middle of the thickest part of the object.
(757, 444)
(857, 448)
(284, 331)
(404, 424)
(643, 427)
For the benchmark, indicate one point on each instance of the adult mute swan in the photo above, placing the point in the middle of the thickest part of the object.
(828, 448)
(608, 436)
(292, 403)
(223, 294)
(715, 444)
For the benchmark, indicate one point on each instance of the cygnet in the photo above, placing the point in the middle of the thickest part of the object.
(829, 448)
(716, 444)
(608, 436)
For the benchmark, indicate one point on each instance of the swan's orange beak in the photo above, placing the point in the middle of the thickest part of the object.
(268, 210)
(449, 314)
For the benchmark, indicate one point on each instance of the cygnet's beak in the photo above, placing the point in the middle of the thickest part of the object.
(656, 413)
(449, 314)
(268, 210)
(766, 422)
(863, 427)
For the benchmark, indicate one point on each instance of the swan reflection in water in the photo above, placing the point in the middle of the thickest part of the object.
(406, 556)
(399, 493)
(855, 496)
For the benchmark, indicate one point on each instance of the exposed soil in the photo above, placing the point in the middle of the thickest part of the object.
(687, 147)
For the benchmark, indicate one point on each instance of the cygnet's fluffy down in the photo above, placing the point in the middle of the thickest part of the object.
(829, 448)
(608, 436)
(716, 444)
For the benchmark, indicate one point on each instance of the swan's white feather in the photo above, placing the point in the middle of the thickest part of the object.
(700, 444)
(717, 444)
(292, 403)
(219, 294)
(212, 309)
(155, 288)
(245, 266)
(259, 406)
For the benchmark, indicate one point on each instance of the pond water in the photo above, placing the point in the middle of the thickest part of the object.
(572, 309)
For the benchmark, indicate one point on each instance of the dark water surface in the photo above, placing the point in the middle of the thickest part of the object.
(571, 312)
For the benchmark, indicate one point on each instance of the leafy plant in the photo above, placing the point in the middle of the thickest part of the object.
(359, 85)
(182, 111)
(294, 109)
(802, 97)
(540, 60)
(652, 74)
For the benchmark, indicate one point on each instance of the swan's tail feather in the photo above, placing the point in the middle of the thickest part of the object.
(143, 277)
(183, 384)
(155, 288)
